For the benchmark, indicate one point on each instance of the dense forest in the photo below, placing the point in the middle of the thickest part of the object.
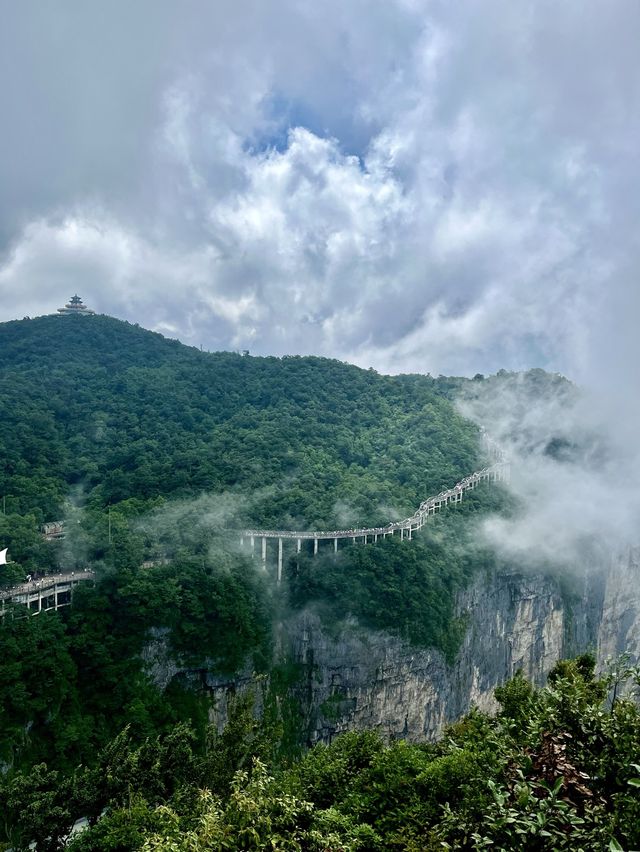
(153, 453)
(558, 768)
(107, 412)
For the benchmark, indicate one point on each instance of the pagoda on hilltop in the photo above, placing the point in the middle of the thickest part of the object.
(75, 307)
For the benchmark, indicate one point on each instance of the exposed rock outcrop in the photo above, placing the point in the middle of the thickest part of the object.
(371, 680)
(356, 678)
(619, 628)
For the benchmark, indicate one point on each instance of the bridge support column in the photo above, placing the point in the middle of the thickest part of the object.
(353, 539)
(401, 534)
(409, 532)
(279, 560)
(298, 546)
(315, 546)
(375, 537)
(253, 541)
(264, 551)
(335, 545)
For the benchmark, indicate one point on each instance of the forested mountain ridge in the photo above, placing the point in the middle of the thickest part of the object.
(120, 413)
(150, 449)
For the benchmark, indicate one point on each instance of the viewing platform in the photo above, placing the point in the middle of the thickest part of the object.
(47, 593)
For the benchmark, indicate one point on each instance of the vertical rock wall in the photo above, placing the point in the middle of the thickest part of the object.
(360, 679)
(371, 680)
(619, 628)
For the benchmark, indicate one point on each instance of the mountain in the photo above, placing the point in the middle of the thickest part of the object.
(155, 454)
(115, 412)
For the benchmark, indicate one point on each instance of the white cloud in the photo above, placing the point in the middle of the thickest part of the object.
(410, 185)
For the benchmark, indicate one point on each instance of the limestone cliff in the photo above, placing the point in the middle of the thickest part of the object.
(363, 679)
(619, 628)
(354, 678)
(370, 680)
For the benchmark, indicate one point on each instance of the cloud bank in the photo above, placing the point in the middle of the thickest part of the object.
(407, 185)
(574, 473)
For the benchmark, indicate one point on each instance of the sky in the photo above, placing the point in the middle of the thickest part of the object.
(410, 185)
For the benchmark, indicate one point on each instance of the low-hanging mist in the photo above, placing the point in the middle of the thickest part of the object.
(574, 469)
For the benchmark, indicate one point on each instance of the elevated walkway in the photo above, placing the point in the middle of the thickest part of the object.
(498, 472)
(42, 595)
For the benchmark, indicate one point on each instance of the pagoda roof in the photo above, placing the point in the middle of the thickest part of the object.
(76, 307)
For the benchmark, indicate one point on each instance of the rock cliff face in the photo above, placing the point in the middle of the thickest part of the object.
(366, 680)
(361, 679)
(619, 628)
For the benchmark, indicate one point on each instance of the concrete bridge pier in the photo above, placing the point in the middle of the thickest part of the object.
(253, 541)
(279, 560)
(264, 551)
(315, 546)
(335, 545)
(298, 545)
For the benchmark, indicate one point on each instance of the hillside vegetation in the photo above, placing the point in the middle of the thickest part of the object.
(557, 769)
(112, 412)
(154, 453)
